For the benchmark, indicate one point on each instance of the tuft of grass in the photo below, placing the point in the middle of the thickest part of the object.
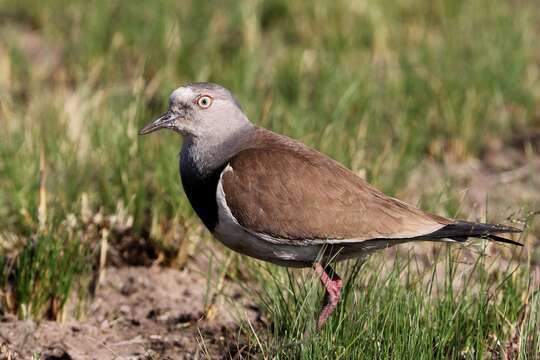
(43, 275)
(528, 333)
(399, 311)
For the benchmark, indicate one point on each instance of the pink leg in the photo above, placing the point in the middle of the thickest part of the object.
(332, 282)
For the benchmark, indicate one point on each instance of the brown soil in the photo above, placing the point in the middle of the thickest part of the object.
(138, 313)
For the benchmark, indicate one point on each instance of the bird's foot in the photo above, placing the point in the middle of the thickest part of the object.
(332, 283)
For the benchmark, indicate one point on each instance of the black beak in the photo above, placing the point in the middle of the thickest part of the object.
(164, 121)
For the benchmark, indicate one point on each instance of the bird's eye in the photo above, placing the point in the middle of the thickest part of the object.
(204, 101)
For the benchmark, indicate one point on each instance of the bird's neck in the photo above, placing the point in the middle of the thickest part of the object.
(197, 158)
(205, 155)
(201, 164)
(200, 177)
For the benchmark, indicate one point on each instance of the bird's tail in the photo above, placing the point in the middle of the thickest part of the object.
(462, 230)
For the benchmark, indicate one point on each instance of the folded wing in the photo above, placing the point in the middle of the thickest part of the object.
(296, 194)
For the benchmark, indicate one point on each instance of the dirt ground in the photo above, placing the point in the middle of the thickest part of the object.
(138, 313)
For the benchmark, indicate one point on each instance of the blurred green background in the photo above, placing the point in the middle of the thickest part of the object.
(380, 86)
(377, 85)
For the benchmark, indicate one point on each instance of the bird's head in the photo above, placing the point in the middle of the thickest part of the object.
(201, 110)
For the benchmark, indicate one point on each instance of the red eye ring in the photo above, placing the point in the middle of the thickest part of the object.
(204, 101)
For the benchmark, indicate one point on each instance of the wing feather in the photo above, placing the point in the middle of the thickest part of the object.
(288, 191)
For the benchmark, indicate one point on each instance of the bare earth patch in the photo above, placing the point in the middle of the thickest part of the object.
(138, 313)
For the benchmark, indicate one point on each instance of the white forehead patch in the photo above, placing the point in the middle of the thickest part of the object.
(184, 94)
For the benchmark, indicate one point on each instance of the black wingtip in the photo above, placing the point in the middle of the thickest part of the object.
(504, 229)
(462, 230)
(488, 231)
(487, 228)
(503, 240)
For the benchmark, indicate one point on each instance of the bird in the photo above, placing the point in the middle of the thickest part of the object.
(275, 199)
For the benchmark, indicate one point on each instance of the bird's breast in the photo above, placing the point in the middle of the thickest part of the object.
(200, 189)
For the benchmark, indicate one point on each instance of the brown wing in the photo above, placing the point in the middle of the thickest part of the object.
(288, 191)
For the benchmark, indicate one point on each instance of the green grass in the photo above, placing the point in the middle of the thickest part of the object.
(399, 310)
(45, 275)
(378, 85)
